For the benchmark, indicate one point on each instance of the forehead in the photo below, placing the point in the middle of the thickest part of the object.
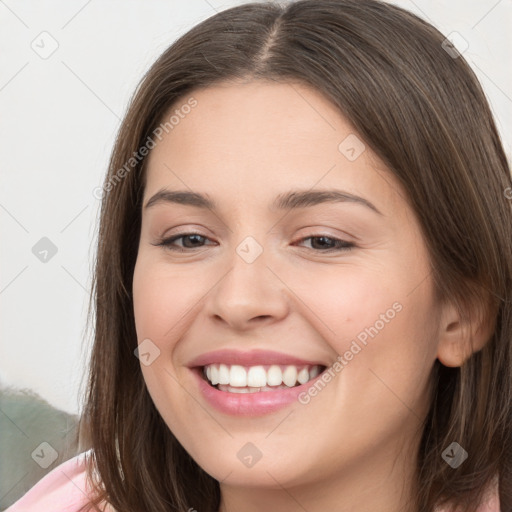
(262, 137)
(273, 114)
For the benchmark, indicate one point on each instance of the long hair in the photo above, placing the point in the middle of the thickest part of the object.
(421, 109)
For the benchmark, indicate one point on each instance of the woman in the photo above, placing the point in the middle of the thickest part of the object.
(304, 276)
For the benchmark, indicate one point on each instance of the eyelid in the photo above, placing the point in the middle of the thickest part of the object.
(318, 231)
(184, 229)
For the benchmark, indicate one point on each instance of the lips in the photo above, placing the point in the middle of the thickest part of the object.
(251, 401)
(252, 358)
(247, 403)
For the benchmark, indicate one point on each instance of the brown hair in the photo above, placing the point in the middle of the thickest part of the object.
(422, 111)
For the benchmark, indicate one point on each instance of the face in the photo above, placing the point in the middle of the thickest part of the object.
(343, 283)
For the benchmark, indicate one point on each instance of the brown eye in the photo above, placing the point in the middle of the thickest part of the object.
(327, 243)
(190, 241)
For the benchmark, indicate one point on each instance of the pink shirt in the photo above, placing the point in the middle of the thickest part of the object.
(65, 489)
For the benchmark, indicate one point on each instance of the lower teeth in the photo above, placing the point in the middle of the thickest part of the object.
(231, 389)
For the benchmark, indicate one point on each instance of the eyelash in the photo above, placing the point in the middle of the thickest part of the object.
(167, 243)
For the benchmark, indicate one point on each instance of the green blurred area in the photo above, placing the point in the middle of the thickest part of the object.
(27, 421)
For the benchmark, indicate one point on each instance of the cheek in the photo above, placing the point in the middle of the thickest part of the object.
(346, 300)
(163, 297)
(378, 319)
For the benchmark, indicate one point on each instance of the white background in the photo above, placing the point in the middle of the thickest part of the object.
(58, 120)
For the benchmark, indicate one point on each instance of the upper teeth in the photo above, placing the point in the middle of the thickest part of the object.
(259, 376)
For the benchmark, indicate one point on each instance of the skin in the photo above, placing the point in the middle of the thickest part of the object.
(353, 446)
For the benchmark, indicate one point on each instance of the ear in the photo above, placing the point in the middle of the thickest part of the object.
(459, 336)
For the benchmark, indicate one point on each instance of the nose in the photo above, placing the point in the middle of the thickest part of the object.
(250, 294)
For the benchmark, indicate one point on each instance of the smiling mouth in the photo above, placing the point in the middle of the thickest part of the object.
(253, 379)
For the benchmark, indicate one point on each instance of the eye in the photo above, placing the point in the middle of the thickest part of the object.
(196, 239)
(328, 243)
(323, 243)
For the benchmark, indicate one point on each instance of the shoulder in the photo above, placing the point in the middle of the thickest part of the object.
(491, 500)
(64, 489)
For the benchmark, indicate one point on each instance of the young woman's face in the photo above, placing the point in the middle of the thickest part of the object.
(322, 279)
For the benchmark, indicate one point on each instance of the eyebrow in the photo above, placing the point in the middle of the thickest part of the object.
(287, 201)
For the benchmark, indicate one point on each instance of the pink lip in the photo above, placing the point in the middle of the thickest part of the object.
(249, 404)
(250, 358)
